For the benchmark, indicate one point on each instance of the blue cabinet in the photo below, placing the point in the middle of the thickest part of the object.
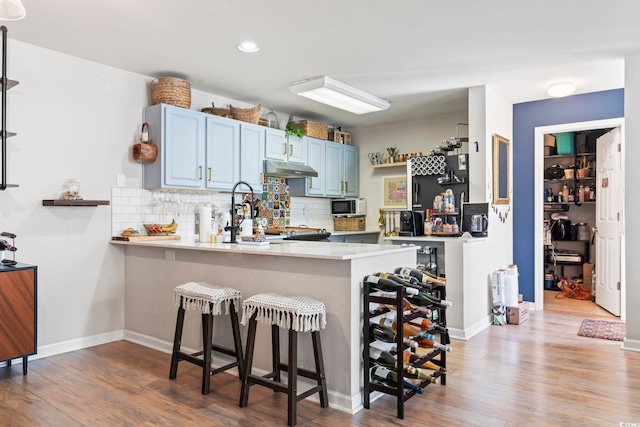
(284, 148)
(252, 146)
(315, 186)
(223, 153)
(179, 135)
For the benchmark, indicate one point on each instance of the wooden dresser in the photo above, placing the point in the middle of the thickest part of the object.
(18, 312)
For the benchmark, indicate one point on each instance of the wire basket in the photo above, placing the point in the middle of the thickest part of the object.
(172, 91)
(249, 115)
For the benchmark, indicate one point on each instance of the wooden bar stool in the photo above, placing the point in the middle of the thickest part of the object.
(211, 300)
(297, 314)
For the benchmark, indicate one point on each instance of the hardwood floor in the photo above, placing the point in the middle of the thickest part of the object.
(539, 373)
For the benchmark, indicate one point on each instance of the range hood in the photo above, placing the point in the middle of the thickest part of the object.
(288, 170)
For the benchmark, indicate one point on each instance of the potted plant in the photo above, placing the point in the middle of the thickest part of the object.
(293, 129)
(391, 151)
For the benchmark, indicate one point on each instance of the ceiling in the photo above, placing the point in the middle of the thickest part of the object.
(420, 55)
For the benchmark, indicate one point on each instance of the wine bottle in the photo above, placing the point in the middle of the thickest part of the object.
(382, 284)
(386, 334)
(385, 375)
(410, 357)
(388, 360)
(401, 280)
(425, 299)
(407, 329)
(422, 276)
(427, 343)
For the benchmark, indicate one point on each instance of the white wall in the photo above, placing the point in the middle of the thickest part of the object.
(632, 198)
(410, 136)
(489, 114)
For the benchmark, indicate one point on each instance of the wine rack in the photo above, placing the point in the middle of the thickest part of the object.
(396, 303)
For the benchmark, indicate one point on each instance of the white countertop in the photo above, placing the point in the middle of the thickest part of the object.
(288, 248)
(434, 239)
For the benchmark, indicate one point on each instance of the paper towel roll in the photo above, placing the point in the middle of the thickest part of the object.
(205, 223)
(247, 227)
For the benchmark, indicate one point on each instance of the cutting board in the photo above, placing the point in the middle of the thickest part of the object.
(278, 231)
(146, 238)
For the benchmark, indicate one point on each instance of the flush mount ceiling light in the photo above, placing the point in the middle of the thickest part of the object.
(248, 47)
(328, 91)
(11, 10)
(558, 90)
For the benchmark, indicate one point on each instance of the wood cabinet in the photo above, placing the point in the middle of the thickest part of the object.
(18, 313)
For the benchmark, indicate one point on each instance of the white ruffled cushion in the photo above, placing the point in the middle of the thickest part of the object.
(206, 297)
(301, 314)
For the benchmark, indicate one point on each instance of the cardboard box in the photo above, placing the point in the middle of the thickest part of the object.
(519, 314)
(587, 270)
(549, 140)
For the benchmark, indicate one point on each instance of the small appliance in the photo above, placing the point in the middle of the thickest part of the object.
(411, 223)
(479, 225)
(560, 227)
(348, 207)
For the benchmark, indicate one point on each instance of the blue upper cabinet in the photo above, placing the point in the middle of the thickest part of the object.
(351, 171)
(334, 177)
(252, 146)
(223, 153)
(316, 154)
(285, 149)
(179, 135)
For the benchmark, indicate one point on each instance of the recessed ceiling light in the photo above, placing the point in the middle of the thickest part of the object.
(558, 90)
(249, 47)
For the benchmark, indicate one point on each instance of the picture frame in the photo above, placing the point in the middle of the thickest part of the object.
(501, 170)
(395, 192)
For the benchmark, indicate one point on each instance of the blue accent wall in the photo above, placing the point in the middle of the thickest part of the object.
(527, 116)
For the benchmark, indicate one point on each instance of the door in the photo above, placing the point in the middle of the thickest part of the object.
(297, 149)
(608, 221)
(334, 179)
(315, 185)
(184, 148)
(223, 151)
(351, 171)
(275, 145)
(251, 155)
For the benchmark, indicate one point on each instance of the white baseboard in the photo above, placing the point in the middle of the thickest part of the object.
(465, 334)
(339, 401)
(631, 345)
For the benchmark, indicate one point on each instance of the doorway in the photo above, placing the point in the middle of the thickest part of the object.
(539, 202)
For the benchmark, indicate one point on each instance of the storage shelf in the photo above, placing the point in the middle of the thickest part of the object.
(388, 165)
(10, 83)
(63, 202)
(559, 156)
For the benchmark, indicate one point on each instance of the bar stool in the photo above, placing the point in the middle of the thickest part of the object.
(297, 314)
(211, 300)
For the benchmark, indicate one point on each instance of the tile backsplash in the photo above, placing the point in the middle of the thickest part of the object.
(132, 207)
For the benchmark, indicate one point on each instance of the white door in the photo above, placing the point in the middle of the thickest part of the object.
(609, 189)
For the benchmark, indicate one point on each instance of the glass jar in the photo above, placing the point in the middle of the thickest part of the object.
(272, 120)
(71, 190)
(449, 201)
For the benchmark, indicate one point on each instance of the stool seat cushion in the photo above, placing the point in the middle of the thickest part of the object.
(300, 314)
(206, 297)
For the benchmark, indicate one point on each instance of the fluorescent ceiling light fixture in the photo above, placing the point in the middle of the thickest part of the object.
(11, 10)
(561, 89)
(328, 91)
(248, 47)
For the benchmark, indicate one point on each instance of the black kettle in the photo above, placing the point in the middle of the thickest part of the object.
(479, 225)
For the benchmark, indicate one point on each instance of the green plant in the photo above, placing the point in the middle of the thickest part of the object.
(293, 129)
(391, 151)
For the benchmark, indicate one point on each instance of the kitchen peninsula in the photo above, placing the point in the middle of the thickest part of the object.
(329, 272)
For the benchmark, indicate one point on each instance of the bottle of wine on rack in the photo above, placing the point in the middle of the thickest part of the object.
(410, 357)
(387, 334)
(385, 375)
(388, 360)
(408, 331)
(422, 276)
(382, 284)
(401, 280)
(425, 299)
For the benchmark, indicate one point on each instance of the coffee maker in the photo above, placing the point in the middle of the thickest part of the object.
(411, 223)
(474, 219)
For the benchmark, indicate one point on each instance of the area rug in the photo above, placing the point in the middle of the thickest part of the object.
(604, 329)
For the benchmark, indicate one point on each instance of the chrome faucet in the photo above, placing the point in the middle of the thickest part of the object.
(235, 225)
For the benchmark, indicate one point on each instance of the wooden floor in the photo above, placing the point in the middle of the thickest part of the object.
(539, 373)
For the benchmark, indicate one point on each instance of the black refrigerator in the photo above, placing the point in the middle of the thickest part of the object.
(433, 175)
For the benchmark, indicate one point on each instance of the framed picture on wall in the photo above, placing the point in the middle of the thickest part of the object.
(395, 193)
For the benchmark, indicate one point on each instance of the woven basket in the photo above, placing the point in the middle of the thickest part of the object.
(172, 91)
(216, 111)
(249, 115)
(349, 224)
(314, 129)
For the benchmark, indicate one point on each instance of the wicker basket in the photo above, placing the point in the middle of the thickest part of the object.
(172, 91)
(314, 129)
(249, 115)
(349, 224)
(216, 111)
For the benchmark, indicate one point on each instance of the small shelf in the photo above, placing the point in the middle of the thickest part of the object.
(560, 156)
(63, 202)
(444, 213)
(389, 165)
(558, 180)
(10, 83)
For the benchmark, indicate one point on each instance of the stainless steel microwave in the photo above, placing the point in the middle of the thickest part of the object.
(348, 207)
